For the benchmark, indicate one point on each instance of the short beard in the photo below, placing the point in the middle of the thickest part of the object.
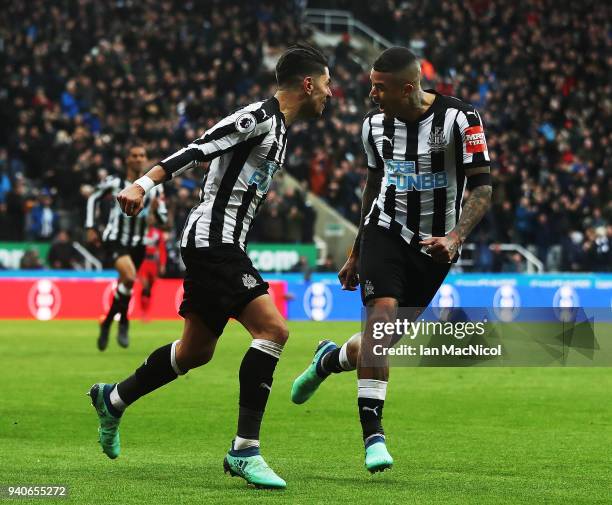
(309, 111)
(416, 99)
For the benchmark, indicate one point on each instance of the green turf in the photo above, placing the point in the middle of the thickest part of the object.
(477, 435)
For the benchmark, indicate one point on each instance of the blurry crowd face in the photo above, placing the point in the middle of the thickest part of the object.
(136, 160)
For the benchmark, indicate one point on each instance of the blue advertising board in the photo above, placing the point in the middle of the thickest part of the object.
(322, 298)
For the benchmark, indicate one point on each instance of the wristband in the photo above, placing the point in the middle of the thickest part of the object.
(145, 183)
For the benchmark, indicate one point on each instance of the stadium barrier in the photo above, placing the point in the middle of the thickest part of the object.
(46, 295)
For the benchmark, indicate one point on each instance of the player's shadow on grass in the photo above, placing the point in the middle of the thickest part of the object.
(384, 480)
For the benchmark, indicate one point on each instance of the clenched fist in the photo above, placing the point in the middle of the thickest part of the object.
(131, 199)
(442, 249)
(348, 274)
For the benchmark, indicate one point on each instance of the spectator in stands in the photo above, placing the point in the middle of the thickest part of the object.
(16, 205)
(62, 254)
(30, 260)
(328, 265)
(5, 181)
(303, 267)
(43, 219)
(73, 90)
(523, 221)
(543, 237)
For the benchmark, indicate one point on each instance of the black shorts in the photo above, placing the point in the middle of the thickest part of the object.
(219, 282)
(115, 250)
(389, 267)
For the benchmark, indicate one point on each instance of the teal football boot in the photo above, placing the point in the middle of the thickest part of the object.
(307, 383)
(250, 465)
(377, 457)
(108, 431)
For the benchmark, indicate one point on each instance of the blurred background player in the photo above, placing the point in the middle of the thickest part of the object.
(423, 149)
(123, 238)
(153, 265)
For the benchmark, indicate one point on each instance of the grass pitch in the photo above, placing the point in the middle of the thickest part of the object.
(473, 435)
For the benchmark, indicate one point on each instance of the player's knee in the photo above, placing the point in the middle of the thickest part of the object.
(192, 357)
(202, 356)
(276, 331)
(381, 315)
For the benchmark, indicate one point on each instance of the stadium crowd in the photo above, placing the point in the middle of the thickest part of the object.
(82, 79)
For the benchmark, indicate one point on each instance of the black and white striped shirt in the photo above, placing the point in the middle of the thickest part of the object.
(424, 163)
(128, 231)
(246, 149)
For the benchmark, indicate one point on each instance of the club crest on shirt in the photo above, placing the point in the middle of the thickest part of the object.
(246, 123)
(249, 281)
(436, 140)
(368, 288)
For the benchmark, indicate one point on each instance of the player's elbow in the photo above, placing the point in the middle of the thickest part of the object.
(483, 193)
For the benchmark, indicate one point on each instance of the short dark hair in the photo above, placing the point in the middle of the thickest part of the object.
(394, 59)
(135, 143)
(297, 62)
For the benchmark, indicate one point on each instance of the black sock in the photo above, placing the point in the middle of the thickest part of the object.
(156, 371)
(330, 363)
(256, 373)
(109, 405)
(115, 308)
(124, 305)
(370, 415)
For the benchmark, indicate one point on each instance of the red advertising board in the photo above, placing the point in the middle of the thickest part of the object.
(49, 298)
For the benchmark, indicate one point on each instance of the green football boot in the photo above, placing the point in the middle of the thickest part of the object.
(307, 383)
(377, 457)
(249, 464)
(108, 431)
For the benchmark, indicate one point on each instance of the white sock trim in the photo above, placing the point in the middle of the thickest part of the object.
(371, 388)
(267, 346)
(116, 400)
(345, 364)
(123, 289)
(372, 436)
(244, 443)
(175, 367)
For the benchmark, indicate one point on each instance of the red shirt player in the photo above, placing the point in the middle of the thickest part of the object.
(153, 265)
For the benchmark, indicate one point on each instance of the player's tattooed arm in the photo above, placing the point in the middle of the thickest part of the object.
(348, 273)
(474, 209)
(444, 249)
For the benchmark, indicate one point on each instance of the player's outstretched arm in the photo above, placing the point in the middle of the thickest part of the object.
(229, 133)
(348, 273)
(444, 249)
